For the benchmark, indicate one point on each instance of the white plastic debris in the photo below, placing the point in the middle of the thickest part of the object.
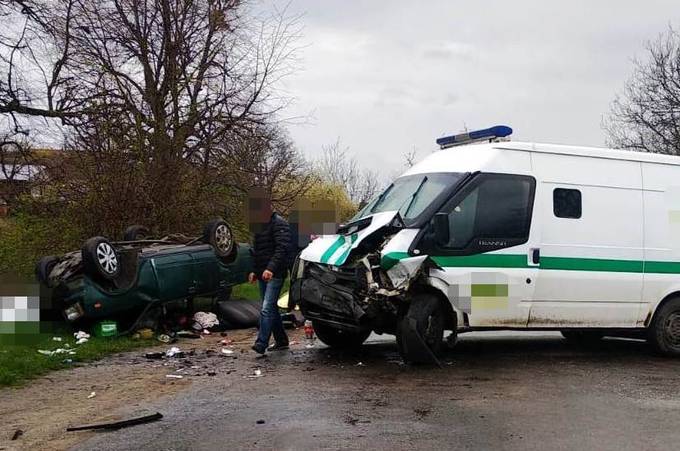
(174, 376)
(256, 373)
(206, 320)
(172, 351)
(360, 364)
(56, 351)
(56, 338)
(227, 351)
(80, 334)
(80, 341)
(91, 395)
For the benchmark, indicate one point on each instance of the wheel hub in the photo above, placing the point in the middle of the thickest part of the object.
(223, 238)
(106, 257)
(672, 329)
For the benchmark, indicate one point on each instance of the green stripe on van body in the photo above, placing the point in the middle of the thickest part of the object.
(331, 250)
(547, 263)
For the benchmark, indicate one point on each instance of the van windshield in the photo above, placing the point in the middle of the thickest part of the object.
(410, 195)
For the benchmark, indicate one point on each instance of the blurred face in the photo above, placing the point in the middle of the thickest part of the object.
(259, 209)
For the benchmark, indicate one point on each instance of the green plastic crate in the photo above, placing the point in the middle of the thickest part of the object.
(106, 329)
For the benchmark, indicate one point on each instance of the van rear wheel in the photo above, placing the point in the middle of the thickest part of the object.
(664, 332)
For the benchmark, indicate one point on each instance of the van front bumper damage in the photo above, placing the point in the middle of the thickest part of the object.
(358, 297)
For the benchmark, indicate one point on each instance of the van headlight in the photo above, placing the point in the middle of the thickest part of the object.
(74, 312)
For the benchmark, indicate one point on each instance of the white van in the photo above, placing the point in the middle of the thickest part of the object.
(505, 235)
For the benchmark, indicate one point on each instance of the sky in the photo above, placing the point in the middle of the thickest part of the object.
(388, 77)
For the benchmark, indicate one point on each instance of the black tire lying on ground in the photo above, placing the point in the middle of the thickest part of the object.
(136, 232)
(239, 313)
(44, 267)
(100, 258)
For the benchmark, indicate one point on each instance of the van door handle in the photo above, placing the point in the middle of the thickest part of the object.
(536, 256)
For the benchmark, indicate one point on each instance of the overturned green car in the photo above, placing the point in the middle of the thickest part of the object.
(124, 279)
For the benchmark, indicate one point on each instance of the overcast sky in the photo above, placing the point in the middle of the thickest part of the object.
(388, 76)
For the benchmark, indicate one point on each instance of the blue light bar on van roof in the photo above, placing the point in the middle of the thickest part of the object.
(499, 131)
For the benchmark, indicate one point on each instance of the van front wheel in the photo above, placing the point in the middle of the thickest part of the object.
(664, 332)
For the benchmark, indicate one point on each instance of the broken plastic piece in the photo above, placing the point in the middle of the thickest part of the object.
(91, 395)
(119, 424)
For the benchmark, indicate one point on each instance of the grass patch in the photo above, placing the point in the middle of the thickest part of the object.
(252, 291)
(20, 360)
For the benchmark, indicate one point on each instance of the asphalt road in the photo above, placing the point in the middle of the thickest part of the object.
(496, 391)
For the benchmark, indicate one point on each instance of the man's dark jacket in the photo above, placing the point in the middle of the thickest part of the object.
(271, 248)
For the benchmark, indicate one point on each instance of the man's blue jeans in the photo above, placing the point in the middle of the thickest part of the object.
(270, 318)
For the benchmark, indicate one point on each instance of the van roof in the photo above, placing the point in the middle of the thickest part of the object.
(514, 156)
(592, 152)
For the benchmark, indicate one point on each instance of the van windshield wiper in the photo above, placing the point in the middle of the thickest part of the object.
(381, 197)
(414, 195)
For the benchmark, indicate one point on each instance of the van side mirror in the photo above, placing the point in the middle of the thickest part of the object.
(441, 228)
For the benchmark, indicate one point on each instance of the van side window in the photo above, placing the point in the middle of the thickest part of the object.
(567, 203)
(495, 213)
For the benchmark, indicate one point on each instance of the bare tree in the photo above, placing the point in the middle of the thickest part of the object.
(646, 116)
(264, 157)
(338, 167)
(148, 86)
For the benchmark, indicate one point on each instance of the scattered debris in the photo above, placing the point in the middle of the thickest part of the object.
(174, 376)
(212, 373)
(187, 334)
(80, 334)
(165, 338)
(226, 342)
(260, 421)
(227, 351)
(174, 352)
(18, 433)
(56, 338)
(56, 351)
(360, 364)
(91, 395)
(67, 361)
(205, 320)
(256, 373)
(119, 424)
(145, 334)
(422, 412)
(154, 355)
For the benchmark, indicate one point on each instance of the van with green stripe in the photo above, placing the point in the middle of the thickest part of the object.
(494, 235)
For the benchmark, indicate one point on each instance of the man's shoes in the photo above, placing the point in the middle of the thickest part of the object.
(278, 347)
(258, 348)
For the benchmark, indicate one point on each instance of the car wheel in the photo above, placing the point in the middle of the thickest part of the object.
(218, 234)
(338, 338)
(583, 337)
(664, 332)
(427, 314)
(43, 269)
(135, 233)
(100, 258)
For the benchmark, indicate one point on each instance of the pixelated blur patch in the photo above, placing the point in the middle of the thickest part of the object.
(16, 310)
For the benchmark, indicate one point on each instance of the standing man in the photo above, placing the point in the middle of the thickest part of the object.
(271, 247)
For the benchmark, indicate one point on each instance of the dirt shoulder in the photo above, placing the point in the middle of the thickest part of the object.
(44, 408)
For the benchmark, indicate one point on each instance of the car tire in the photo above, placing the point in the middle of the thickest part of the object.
(428, 314)
(239, 313)
(100, 258)
(338, 338)
(664, 331)
(218, 234)
(43, 269)
(135, 233)
(583, 337)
